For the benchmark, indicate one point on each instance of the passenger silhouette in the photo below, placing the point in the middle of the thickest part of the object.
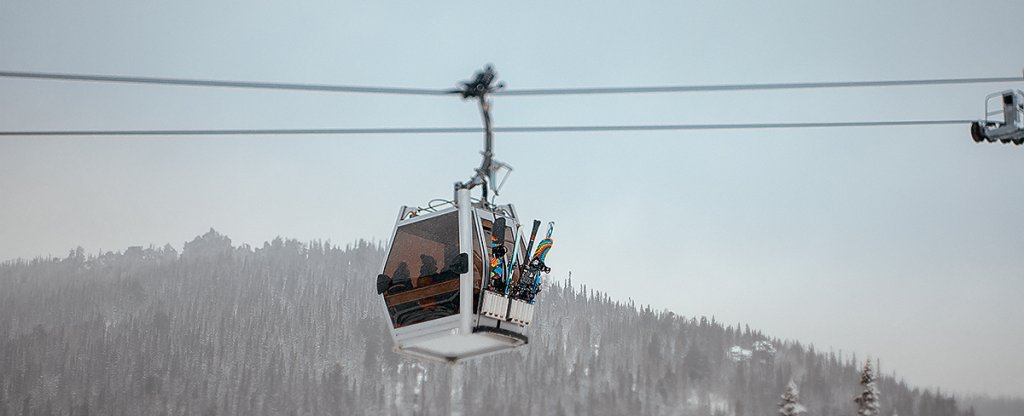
(401, 281)
(429, 265)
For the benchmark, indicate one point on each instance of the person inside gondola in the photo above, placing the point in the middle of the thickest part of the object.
(428, 270)
(402, 280)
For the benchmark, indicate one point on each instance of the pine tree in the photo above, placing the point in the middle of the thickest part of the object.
(790, 404)
(867, 401)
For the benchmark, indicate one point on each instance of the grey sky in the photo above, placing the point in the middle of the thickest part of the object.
(902, 243)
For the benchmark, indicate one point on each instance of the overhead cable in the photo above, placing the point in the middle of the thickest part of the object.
(229, 84)
(459, 130)
(504, 92)
(750, 87)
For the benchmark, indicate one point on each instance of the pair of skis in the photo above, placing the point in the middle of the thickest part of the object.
(492, 303)
(530, 273)
(501, 271)
(497, 281)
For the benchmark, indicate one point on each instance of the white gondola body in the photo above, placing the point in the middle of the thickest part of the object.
(427, 313)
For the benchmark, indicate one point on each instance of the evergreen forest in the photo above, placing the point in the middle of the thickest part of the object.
(294, 328)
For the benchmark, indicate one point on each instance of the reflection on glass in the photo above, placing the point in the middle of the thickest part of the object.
(423, 283)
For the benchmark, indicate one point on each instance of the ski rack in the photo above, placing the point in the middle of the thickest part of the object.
(495, 305)
(520, 312)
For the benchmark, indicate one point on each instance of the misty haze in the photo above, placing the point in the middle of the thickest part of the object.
(672, 208)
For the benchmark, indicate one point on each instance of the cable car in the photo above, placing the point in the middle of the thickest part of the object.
(1011, 128)
(457, 280)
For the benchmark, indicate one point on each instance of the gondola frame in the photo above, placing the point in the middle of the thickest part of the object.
(465, 334)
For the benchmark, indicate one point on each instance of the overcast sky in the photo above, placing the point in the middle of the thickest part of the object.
(903, 243)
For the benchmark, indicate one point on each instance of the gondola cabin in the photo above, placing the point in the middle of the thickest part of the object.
(457, 281)
(432, 279)
(1010, 105)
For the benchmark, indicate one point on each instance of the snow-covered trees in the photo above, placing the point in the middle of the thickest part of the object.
(291, 328)
(790, 404)
(867, 400)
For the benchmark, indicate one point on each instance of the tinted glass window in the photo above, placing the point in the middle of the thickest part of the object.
(423, 285)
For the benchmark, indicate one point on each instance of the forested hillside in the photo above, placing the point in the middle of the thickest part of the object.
(295, 329)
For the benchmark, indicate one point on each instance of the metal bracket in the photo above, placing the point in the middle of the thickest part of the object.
(483, 83)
